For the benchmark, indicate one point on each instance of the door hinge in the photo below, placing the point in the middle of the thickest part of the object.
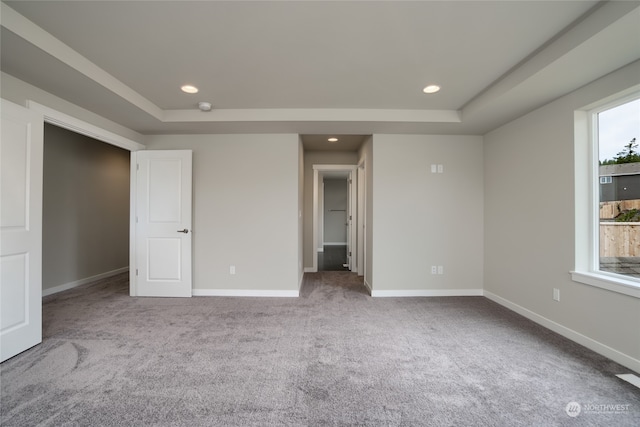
(349, 253)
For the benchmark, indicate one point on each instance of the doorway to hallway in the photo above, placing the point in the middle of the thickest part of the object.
(344, 215)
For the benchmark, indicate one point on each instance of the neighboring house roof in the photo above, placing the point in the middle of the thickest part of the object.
(620, 169)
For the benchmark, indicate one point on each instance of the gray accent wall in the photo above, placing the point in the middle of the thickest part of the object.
(85, 208)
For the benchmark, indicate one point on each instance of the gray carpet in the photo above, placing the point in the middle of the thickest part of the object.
(334, 356)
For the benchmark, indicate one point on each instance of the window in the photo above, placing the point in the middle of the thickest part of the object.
(608, 189)
(616, 130)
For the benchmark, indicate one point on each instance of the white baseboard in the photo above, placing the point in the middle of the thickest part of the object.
(245, 293)
(427, 293)
(335, 243)
(598, 347)
(321, 249)
(75, 284)
(310, 270)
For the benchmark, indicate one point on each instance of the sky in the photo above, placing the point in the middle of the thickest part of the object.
(617, 127)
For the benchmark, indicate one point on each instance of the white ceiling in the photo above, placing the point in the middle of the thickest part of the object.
(315, 67)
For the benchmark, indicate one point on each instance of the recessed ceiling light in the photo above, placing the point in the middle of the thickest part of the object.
(333, 139)
(431, 89)
(189, 89)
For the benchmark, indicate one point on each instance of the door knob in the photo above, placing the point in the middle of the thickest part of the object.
(185, 231)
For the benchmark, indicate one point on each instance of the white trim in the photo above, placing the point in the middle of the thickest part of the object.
(68, 122)
(630, 378)
(245, 293)
(335, 244)
(613, 283)
(587, 187)
(86, 280)
(317, 169)
(598, 347)
(133, 219)
(427, 293)
(321, 249)
(73, 124)
(311, 269)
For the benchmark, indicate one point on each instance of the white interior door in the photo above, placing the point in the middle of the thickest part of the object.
(21, 150)
(163, 223)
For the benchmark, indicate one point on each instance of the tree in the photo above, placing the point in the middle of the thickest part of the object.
(629, 154)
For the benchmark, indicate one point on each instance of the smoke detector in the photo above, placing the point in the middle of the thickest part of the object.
(204, 106)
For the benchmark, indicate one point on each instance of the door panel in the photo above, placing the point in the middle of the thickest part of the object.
(21, 155)
(163, 223)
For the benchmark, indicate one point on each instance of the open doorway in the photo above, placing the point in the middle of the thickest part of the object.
(334, 218)
(100, 135)
(333, 222)
(85, 223)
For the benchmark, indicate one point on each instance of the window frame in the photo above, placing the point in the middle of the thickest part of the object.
(587, 197)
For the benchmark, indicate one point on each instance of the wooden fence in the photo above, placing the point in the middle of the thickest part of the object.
(620, 239)
(609, 210)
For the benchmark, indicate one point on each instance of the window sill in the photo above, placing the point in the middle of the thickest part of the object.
(612, 283)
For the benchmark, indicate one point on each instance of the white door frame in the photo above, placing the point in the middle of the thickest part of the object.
(81, 127)
(317, 170)
(361, 219)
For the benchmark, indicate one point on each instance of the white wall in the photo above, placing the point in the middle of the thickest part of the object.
(246, 209)
(424, 219)
(530, 223)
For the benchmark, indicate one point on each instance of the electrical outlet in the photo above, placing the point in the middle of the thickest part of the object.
(434, 269)
(434, 168)
(440, 169)
(556, 294)
(232, 269)
(440, 269)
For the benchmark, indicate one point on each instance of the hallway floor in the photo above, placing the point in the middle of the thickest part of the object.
(333, 258)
